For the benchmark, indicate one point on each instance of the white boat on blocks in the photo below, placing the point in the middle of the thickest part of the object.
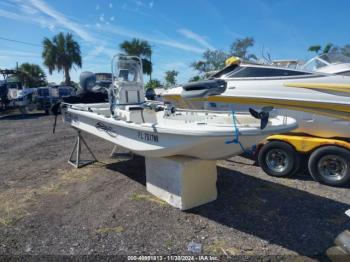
(155, 129)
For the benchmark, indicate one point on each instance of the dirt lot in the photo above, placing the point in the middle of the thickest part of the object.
(48, 207)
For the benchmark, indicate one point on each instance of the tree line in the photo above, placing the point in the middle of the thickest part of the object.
(62, 53)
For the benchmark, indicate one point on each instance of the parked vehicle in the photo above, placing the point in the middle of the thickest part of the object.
(318, 101)
(47, 96)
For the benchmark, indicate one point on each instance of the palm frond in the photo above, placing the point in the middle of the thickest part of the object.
(61, 54)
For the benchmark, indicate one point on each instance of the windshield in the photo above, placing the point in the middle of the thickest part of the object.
(225, 71)
(252, 71)
(333, 58)
(129, 70)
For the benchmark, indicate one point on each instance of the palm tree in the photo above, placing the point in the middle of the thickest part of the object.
(328, 48)
(240, 48)
(170, 77)
(32, 75)
(62, 53)
(142, 49)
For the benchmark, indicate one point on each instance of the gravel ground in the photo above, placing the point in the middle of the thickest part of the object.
(49, 208)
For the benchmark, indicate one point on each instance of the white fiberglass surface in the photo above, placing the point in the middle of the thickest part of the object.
(208, 118)
(196, 118)
(192, 122)
(278, 89)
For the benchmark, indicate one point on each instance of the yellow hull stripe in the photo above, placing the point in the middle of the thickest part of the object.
(271, 101)
(331, 110)
(344, 88)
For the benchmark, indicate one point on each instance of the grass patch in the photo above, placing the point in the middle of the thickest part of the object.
(104, 230)
(10, 212)
(138, 197)
(169, 243)
(16, 201)
(220, 247)
(75, 175)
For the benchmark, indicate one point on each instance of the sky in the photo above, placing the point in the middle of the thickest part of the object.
(178, 31)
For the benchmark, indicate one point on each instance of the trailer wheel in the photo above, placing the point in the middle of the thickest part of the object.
(330, 165)
(278, 159)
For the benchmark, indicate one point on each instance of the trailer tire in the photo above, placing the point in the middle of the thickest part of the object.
(330, 165)
(279, 159)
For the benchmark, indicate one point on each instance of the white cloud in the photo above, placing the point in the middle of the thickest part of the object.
(61, 19)
(196, 37)
(99, 39)
(27, 9)
(95, 52)
(51, 28)
(27, 18)
(52, 19)
(151, 38)
(11, 15)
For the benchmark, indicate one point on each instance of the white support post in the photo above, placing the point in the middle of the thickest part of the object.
(183, 182)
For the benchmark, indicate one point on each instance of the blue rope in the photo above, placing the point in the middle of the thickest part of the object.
(235, 139)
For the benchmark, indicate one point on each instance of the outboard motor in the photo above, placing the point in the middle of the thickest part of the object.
(86, 94)
(87, 81)
(150, 94)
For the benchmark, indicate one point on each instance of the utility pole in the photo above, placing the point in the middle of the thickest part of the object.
(150, 60)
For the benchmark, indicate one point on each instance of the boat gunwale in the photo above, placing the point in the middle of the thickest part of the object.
(243, 130)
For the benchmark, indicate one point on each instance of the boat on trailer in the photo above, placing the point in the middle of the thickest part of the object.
(157, 129)
(319, 102)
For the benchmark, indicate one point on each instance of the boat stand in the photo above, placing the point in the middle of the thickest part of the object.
(77, 162)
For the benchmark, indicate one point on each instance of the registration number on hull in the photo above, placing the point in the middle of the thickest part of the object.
(147, 137)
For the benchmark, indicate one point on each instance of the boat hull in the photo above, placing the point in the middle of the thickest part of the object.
(151, 142)
(321, 109)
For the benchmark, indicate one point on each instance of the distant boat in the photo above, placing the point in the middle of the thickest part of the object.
(320, 102)
(331, 63)
(18, 95)
(47, 96)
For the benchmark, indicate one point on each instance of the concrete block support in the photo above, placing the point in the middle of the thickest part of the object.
(183, 182)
